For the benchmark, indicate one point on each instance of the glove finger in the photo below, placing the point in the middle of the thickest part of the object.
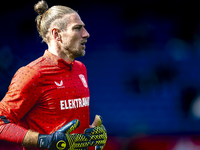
(99, 147)
(102, 126)
(70, 126)
(82, 145)
(98, 137)
(101, 118)
(78, 141)
(81, 137)
(95, 130)
(98, 143)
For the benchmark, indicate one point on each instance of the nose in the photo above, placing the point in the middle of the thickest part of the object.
(85, 34)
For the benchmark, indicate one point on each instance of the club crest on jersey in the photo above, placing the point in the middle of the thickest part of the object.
(82, 77)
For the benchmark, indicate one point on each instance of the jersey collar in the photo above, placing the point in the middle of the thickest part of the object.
(57, 60)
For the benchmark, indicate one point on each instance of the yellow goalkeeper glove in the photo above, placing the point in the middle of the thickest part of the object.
(63, 140)
(98, 134)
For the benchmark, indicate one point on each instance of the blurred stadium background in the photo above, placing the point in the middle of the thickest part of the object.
(142, 59)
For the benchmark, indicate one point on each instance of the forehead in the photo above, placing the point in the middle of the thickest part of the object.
(74, 19)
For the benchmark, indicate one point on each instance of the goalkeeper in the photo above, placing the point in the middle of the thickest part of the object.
(49, 98)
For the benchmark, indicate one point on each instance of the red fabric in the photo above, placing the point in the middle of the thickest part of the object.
(12, 133)
(47, 94)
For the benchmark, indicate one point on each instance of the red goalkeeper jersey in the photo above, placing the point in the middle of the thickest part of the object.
(47, 94)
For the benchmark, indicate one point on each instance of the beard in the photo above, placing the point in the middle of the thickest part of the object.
(75, 52)
(78, 53)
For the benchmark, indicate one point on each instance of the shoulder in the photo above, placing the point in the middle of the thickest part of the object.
(79, 64)
(25, 76)
(27, 71)
(33, 68)
(37, 63)
(30, 72)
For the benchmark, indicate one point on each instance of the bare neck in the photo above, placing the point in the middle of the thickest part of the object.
(64, 54)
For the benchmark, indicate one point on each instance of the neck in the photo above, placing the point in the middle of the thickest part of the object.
(57, 50)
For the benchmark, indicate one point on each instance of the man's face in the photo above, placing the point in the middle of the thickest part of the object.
(75, 36)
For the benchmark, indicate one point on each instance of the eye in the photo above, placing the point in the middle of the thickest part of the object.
(78, 27)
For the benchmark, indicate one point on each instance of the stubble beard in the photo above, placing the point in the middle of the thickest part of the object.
(75, 52)
(78, 53)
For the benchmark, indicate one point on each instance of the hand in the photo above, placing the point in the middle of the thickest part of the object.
(97, 133)
(63, 140)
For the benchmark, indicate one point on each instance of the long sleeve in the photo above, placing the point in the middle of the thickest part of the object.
(22, 95)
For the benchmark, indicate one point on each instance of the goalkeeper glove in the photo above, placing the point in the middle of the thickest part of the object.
(98, 135)
(63, 140)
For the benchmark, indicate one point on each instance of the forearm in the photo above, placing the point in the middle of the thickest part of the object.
(16, 134)
(12, 133)
(30, 139)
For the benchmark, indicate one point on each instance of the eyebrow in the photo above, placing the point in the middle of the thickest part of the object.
(76, 25)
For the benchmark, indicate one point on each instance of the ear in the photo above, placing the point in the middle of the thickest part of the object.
(56, 34)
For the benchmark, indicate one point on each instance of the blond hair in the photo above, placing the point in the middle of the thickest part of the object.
(47, 16)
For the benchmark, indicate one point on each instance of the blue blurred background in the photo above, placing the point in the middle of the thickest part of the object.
(142, 59)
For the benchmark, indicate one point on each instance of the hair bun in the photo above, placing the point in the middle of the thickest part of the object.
(41, 7)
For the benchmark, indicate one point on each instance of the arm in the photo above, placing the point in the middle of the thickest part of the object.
(61, 139)
(16, 134)
(30, 139)
(22, 95)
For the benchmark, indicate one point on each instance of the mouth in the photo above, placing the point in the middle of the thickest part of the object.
(83, 42)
